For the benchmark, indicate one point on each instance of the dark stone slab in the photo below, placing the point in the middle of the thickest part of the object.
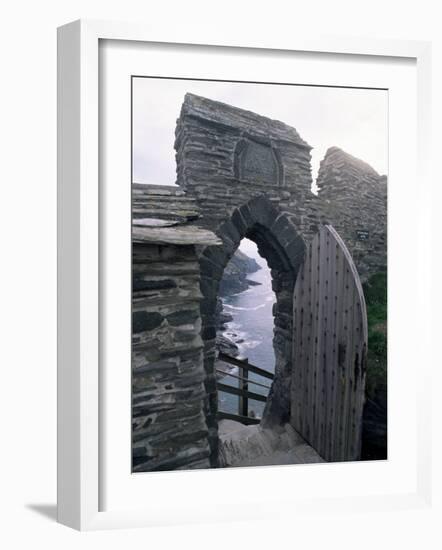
(229, 230)
(281, 224)
(257, 162)
(217, 255)
(183, 317)
(208, 333)
(143, 320)
(138, 452)
(209, 287)
(210, 269)
(262, 211)
(247, 216)
(155, 366)
(239, 222)
(163, 284)
(208, 307)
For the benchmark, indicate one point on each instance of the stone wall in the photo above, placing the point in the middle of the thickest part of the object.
(354, 199)
(222, 156)
(169, 426)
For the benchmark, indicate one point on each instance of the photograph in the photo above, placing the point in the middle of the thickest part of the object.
(259, 273)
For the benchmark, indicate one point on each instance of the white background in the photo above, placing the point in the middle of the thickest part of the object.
(28, 216)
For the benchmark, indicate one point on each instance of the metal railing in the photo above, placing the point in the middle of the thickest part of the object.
(242, 391)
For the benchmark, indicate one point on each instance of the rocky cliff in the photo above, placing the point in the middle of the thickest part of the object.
(234, 279)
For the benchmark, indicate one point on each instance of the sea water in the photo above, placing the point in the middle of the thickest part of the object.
(252, 330)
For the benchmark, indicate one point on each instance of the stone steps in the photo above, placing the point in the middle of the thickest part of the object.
(255, 446)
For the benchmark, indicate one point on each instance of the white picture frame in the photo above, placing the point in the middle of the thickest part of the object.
(79, 295)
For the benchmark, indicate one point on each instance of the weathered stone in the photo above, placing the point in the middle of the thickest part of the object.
(295, 251)
(355, 200)
(179, 234)
(208, 333)
(280, 225)
(216, 255)
(229, 230)
(256, 162)
(179, 460)
(183, 317)
(239, 222)
(246, 216)
(142, 320)
(138, 452)
(208, 307)
(153, 367)
(262, 212)
(140, 284)
(168, 400)
(209, 287)
(210, 269)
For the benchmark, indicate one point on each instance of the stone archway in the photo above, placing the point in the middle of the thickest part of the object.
(281, 245)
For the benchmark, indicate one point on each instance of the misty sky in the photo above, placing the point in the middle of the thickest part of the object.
(354, 120)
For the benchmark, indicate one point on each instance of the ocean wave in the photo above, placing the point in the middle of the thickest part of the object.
(249, 344)
(245, 308)
(240, 337)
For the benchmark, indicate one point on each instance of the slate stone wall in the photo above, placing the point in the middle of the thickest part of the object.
(251, 177)
(354, 198)
(226, 156)
(168, 421)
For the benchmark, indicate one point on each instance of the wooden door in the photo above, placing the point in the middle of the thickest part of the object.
(330, 350)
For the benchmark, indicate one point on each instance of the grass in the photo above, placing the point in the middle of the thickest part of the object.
(375, 292)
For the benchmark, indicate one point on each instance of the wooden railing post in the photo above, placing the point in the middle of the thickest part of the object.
(244, 386)
(242, 390)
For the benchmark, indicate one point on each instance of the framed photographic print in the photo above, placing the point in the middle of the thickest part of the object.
(234, 242)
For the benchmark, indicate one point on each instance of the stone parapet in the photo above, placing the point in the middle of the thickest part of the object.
(169, 427)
